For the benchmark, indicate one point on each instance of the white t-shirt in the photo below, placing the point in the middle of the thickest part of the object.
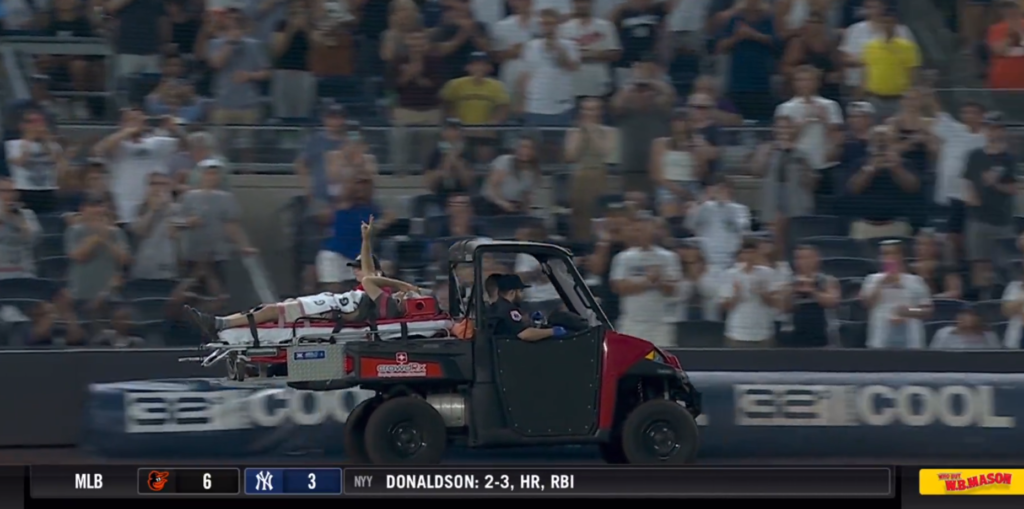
(130, 167)
(549, 90)
(487, 12)
(705, 291)
(594, 78)
(39, 172)
(504, 35)
(688, 16)
(813, 138)
(564, 7)
(856, 37)
(1014, 292)
(957, 143)
(913, 292)
(536, 292)
(751, 319)
(652, 305)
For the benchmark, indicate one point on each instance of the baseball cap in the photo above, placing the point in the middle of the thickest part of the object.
(212, 162)
(509, 282)
(358, 262)
(479, 56)
(860, 108)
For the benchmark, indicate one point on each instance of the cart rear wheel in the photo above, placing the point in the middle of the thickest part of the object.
(659, 432)
(354, 435)
(406, 431)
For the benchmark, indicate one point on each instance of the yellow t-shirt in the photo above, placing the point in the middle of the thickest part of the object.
(474, 101)
(889, 66)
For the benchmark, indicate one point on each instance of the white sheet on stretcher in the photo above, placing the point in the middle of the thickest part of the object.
(282, 336)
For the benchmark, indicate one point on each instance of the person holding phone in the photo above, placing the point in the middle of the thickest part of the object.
(898, 302)
(883, 189)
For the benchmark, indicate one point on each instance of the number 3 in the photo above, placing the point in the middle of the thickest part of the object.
(207, 481)
(312, 481)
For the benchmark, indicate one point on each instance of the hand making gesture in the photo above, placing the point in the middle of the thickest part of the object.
(367, 228)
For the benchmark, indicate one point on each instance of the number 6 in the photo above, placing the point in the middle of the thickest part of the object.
(207, 481)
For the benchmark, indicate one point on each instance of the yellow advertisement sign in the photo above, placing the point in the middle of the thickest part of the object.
(953, 481)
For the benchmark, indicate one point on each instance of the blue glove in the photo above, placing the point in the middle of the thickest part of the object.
(558, 331)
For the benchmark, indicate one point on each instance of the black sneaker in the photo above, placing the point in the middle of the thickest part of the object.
(206, 324)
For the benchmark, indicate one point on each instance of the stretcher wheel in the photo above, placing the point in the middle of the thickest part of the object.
(236, 368)
(406, 431)
(658, 432)
(355, 431)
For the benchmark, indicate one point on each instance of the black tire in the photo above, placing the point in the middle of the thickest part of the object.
(354, 434)
(660, 432)
(406, 431)
(612, 453)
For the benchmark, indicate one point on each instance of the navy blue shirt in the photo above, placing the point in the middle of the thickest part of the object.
(345, 236)
(753, 63)
(883, 199)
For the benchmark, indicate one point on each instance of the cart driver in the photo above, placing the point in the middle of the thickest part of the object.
(508, 317)
(356, 306)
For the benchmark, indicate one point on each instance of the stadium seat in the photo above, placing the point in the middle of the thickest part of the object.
(852, 310)
(850, 287)
(837, 247)
(945, 310)
(990, 311)
(425, 205)
(51, 244)
(701, 334)
(505, 227)
(853, 334)
(54, 268)
(51, 223)
(932, 327)
(801, 227)
(135, 289)
(845, 268)
(26, 288)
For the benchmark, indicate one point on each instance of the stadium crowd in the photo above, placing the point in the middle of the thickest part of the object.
(883, 218)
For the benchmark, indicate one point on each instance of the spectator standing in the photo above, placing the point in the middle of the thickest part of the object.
(36, 162)
(943, 282)
(353, 158)
(643, 113)
(720, 110)
(720, 224)
(39, 100)
(1013, 309)
(541, 296)
(512, 179)
(641, 26)
(547, 82)
(788, 179)
(883, 188)
(211, 221)
(137, 39)
(179, 28)
(818, 124)
(477, 100)
(969, 333)
(70, 18)
(332, 55)
(590, 147)
(959, 138)
(700, 283)
(99, 253)
(749, 297)
(311, 163)
(448, 169)
(458, 37)
(647, 279)
(404, 18)
(705, 120)
(990, 191)
(239, 63)
(155, 232)
(890, 66)
(293, 86)
(418, 79)
(917, 146)
(816, 47)
(509, 37)
(349, 210)
(1006, 44)
(810, 298)
(858, 35)
(134, 152)
(611, 232)
(19, 232)
(898, 302)
(598, 44)
(749, 39)
(175, 96)
(677, 169)
(186, 168)
(93, 182)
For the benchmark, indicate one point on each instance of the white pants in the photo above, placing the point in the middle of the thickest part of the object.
(661, 334)
(332, 267)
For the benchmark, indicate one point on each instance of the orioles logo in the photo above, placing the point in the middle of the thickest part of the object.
(157, 480)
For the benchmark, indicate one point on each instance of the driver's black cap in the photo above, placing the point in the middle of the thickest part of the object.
(358, 262)
(510, 282)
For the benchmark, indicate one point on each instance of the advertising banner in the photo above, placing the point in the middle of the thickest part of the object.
(747, 414)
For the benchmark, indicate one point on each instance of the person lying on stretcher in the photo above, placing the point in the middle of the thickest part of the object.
(357, 306)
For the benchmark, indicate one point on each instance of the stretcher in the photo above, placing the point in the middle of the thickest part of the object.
(267, 345)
